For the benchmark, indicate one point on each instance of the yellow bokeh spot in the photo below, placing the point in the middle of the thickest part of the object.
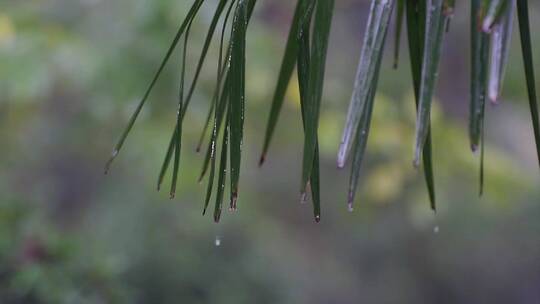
(7, 31)
(385, 183)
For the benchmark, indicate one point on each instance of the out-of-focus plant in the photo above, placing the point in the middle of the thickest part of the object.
(426, 24)
(46, 266)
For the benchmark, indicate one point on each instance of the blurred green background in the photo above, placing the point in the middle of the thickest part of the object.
(71, 73)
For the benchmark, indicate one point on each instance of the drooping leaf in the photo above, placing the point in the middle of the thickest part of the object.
(212, 150)
(191, 14)
(399, 25)
(221, 70)
(178, 128)
(315, 183)
(285, 73)
(222, 175)
(479, 67)
(482, 158)
(494, 12)
(526, 46)
(435, 21)
(362, 135)
(501, 39)
(219, 100)
(416, 11)
(237, 93)
(221, 108)
(218, 118)
(378, 23)
(204, 51)
(304, 62)
(319, 47)
(479, 78)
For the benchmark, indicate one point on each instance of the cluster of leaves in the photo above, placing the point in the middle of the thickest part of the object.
(427, 22)
(306, 50)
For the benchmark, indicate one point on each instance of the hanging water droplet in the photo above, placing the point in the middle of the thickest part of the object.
(217, 242)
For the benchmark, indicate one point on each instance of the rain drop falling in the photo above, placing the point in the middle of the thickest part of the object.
(436, 229)
(217, 242)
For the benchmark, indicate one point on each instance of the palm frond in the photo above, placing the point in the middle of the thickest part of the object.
(306, 49)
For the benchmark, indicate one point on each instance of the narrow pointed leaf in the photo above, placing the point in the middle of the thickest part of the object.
(166, 161)
(319, 48)
(222, 175)
(191, 14)
(221, 70)
(416, 11)
(495, 10)
(399, 25)
(501, 39)
(362, 135)
(526, 46)
(237, 93)
(482, 158)
(435, 22)
(378, 23)
(315, 183)
(479, 72)
(285, 73)
(178, 128)
(204, 52)
(218, 118)
(304, 56)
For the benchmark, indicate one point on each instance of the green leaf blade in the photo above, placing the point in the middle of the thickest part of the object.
(435, 22)
(526, 46)
(191, 14)
(378, 23)
(285, 74)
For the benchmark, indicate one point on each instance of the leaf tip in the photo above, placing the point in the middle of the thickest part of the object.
(234, 200)
(416, 160)
(110, 161)
(342, 156)
(487, 26)
(262, 160)
(350, 206)
(494, 98)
